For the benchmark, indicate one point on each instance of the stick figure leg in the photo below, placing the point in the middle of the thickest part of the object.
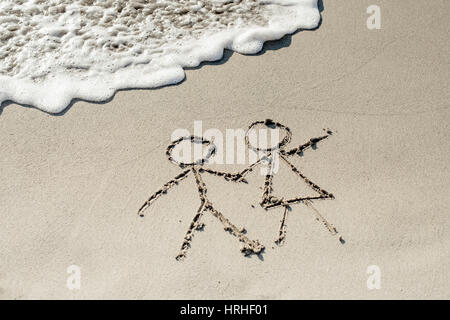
(250, 246)
(195, 225)
(268, 200)
(282, 232)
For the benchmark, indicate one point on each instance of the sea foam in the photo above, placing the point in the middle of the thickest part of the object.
(52, 51)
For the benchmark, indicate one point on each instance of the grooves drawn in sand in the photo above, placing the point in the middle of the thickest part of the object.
(250, 246)
(268, 200)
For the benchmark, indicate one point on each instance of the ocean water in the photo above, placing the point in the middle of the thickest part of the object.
(52, 51)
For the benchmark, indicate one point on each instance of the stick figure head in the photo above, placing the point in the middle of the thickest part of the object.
(194, 140)
(270, 124)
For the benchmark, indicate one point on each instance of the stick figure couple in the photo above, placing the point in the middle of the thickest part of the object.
(269, 201)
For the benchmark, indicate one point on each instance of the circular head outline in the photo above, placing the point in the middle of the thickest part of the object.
(193, 139)
(270, 124)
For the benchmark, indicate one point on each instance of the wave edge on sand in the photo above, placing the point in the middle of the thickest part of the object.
(50, 62)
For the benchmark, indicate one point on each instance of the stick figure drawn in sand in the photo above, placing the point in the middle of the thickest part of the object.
(196, 167)
(269, 155)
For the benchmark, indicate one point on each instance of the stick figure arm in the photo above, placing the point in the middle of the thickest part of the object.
(163, 190)
(227, 176)
(236, 177)
(240, 176)
(310, 144)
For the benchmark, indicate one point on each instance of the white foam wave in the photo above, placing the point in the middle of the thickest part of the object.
(52, 51)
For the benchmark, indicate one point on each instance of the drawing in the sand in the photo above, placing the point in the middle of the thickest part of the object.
(196, 168)
(272, 154)
(269, 157)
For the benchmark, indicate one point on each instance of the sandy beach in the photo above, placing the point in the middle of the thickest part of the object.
(72, 183)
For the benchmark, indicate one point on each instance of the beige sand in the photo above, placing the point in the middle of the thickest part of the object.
(71, 185)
